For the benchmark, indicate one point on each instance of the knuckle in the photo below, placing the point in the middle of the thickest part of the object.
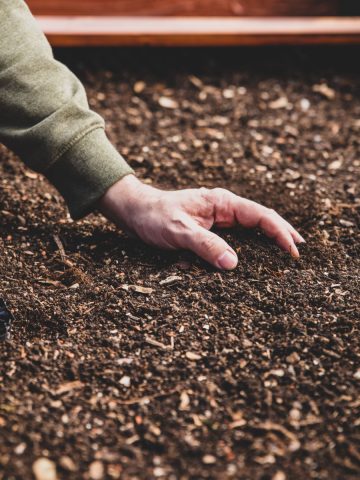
(271, 211)
(204, 190)
(218, 195)
(178, 224)
(206, 244)
(219, 191)
(206, 195)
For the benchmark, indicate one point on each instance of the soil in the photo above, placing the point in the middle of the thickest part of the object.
(128, 362)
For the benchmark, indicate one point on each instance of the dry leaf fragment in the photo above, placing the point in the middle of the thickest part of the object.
(266, 459)
(324, 90)
(169, 280)
(269, 426)
(346, 223)
(44, 469)
(221, 120)
(137, 288)
(68, 386)
(31, 175)
(196, 82)
(237, 423)
(335, 165)
(167, 102)
(281, 102)
(156, 343)
(193, 356)
(184, 401)
(67, 463)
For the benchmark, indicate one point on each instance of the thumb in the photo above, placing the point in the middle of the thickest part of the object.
(212, 248)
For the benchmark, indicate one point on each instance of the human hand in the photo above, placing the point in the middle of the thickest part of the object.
(182, 219)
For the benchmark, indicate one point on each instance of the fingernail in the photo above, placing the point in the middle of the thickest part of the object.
(227, 260)
(294, 252)
(302, 239)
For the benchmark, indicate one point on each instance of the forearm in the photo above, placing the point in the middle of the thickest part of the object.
(45, 117)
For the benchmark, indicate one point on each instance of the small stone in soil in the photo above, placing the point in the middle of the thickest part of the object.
(209, 459)
(44, 469)
(96, 470)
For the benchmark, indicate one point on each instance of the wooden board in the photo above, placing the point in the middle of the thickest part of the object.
(185, 7)
(198, 31)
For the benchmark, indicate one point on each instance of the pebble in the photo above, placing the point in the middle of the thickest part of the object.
(20, 449)
(167, 102)
(209, 459)
(139, 86)
(293, 358)
(305, 104)
(44, 469)
(96, 470)
(228, 93)
(159, 472)
(125, 381)
(279, 475)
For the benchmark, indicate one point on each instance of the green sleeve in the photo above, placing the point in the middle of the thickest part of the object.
(45, 117)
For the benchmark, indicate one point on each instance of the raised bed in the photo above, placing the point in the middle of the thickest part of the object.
(197, 22)
(186, 7)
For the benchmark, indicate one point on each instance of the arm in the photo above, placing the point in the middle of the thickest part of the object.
(45, 117)
(46, 120)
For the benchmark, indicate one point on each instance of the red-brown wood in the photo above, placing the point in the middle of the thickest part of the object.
(185, 7)
(185, 31)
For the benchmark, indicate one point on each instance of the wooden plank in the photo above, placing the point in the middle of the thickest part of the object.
(184, 7)
(185, 31)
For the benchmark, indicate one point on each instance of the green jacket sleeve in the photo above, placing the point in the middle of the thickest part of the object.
(45, 117)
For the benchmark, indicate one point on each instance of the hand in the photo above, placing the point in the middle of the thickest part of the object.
(183, 218)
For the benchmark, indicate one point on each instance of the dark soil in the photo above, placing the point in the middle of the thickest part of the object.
(252, 374)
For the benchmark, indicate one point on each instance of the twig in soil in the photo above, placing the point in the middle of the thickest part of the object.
(156, 343)
(148, 398)
(76, 270)
(60, 247)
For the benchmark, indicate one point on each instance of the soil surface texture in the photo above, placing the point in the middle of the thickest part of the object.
(126, 362)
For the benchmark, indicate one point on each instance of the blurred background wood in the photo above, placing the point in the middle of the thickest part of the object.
(197, 22)
(199, 31)
(187, 7)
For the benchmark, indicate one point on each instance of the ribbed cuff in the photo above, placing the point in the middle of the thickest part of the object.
(85, 172)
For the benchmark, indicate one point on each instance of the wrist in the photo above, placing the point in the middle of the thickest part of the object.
(119, 201)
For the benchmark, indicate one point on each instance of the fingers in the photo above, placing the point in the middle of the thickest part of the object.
(211, 248)
(251, 214)
(280, 230)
